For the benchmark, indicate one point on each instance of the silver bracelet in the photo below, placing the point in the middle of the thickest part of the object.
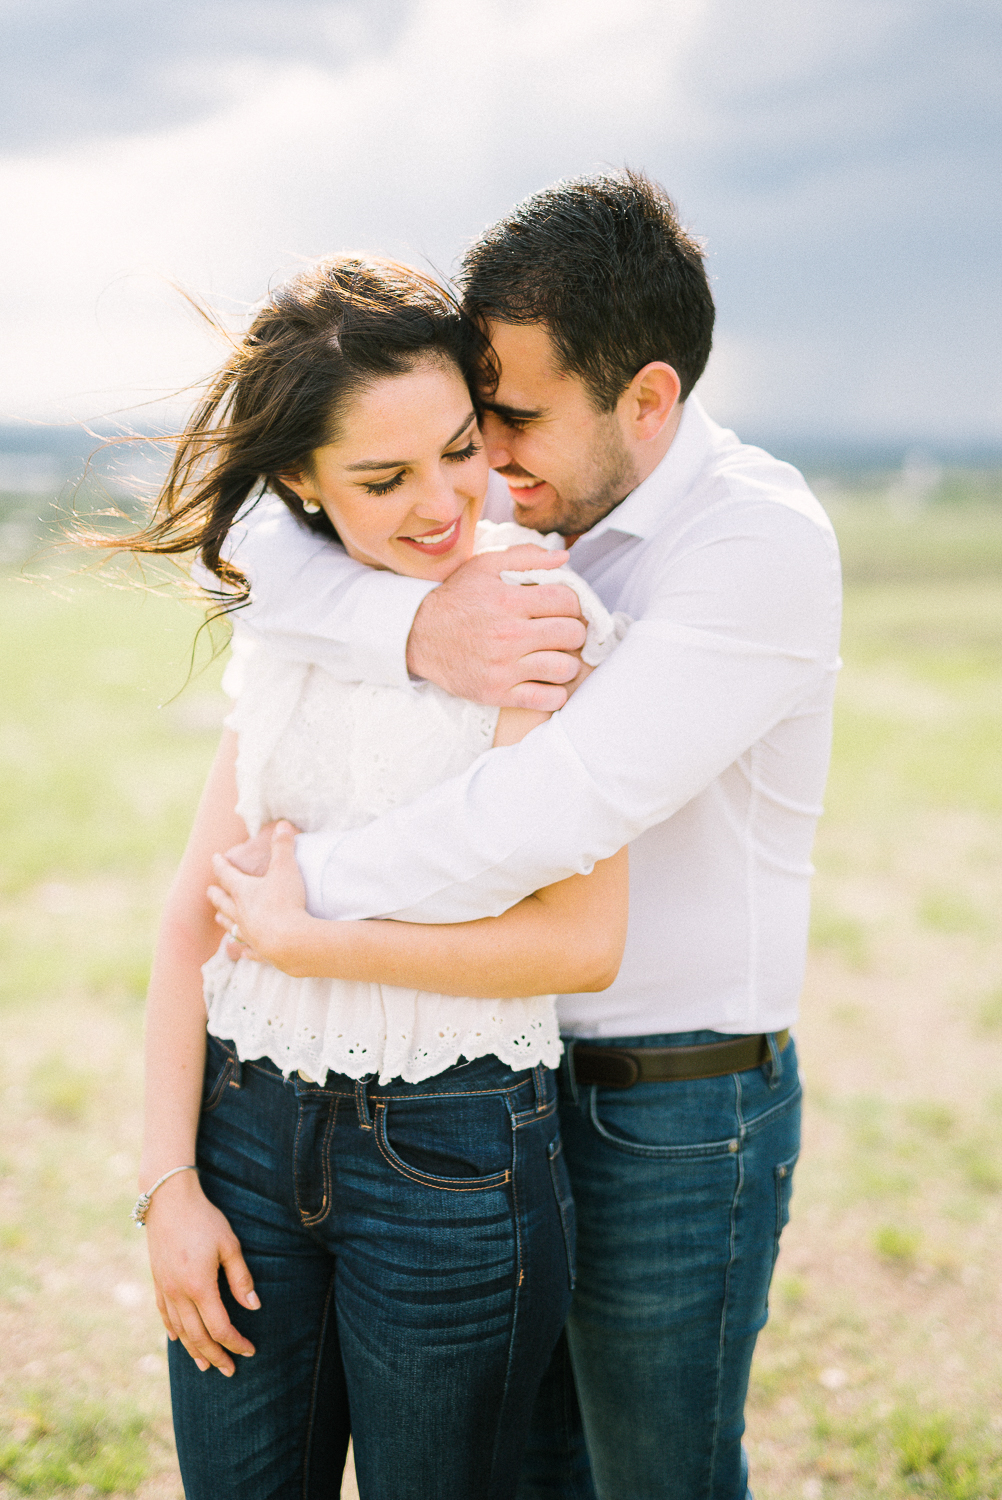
(142, 1204)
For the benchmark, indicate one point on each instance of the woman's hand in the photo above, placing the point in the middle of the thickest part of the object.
(265, 915)
(188, 1240)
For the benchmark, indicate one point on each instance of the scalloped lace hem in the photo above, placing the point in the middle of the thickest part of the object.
(317, 1026)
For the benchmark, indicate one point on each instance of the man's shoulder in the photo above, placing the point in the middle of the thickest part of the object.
(738, 484)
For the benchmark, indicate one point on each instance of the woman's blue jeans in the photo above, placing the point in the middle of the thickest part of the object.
(682, 1191)
(412, 1246)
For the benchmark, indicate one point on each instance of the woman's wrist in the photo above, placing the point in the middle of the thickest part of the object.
(306, 947)
(152, 1167)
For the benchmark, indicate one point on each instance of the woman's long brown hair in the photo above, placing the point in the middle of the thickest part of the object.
(318, 340)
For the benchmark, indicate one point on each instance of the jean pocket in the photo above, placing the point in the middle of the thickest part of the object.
(565, 1205)
(471, 1183)
(624, 1122)
(783, 1178)
(220, 1070)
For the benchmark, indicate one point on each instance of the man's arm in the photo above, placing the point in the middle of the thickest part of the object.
(312, 602)
(743, 629)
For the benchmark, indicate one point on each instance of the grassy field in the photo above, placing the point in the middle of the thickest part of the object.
(880, 1371)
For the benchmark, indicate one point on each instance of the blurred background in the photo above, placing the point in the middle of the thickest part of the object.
(841, 162)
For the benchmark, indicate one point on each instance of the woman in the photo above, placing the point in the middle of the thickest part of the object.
(396, 1237)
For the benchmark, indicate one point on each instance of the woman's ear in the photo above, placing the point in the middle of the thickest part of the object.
(299, 483)
(304, 489)
(651, 397)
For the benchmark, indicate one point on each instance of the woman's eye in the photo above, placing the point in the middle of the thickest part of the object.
(385, 486)
(471, 448)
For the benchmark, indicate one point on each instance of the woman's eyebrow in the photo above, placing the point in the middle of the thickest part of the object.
(399, 463)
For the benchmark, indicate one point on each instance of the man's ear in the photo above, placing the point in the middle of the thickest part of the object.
(650, 399)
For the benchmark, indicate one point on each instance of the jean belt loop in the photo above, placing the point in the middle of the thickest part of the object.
(362, 1101)
(236, 1077)
(539, 1084)
(568, 1077)
(774, 1066)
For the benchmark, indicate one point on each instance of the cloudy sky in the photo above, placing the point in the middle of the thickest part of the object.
(840, 160)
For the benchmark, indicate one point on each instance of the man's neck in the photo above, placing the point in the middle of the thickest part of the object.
(649, 455)
(653, 454)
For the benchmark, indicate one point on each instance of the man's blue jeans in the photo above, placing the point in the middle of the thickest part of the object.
(682, 1190)
(412, 1246)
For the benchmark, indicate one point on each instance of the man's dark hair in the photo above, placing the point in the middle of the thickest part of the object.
(604, 262)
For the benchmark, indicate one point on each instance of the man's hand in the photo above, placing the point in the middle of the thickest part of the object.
(494, 643)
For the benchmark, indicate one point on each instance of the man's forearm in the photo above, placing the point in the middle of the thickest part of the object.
(311, 602)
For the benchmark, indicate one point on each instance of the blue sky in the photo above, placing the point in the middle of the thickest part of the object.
(841, 161)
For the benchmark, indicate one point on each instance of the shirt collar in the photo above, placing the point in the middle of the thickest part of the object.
(643, 510)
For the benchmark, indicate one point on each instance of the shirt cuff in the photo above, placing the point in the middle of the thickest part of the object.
(313, 850)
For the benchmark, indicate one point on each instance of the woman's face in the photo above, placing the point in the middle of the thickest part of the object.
(405, 483)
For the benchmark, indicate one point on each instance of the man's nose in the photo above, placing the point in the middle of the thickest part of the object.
(495, 439)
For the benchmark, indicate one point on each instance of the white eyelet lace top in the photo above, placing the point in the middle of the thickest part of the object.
(334, 755)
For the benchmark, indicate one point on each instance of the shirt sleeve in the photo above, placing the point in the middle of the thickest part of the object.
(740, 633)
(312, 603)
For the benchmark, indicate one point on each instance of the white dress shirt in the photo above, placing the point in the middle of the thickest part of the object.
(703, 742)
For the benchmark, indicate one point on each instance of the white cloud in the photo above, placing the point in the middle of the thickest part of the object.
(834, 161)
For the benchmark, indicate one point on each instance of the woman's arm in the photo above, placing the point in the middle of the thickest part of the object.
(566, 938)
(188, 1239)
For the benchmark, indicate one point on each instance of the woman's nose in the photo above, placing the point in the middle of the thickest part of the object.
(440, 500)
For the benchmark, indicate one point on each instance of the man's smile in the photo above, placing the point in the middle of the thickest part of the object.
(526, 485)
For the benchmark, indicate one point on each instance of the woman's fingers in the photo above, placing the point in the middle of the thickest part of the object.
(204, 1328)
(226, 910)
(174, 1313)
(239, 1277)
(164, 1315)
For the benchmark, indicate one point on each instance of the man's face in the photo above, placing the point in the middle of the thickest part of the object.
(566, 464)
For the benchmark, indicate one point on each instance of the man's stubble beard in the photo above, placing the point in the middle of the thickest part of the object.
(605, 481)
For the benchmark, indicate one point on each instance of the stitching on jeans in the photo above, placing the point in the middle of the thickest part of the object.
(327, 1201)
(510, 1088)
(698, 1150)
(458, 1093)
(769, 1117)
(313, 1393)
(727, 1278)
(516, 1298)
(295, 1160)
(219, 1087)
(531, 1116)
(425, 1179)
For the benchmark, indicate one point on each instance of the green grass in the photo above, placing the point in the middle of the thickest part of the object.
(897, 1245)
(97, 763)
(52, 1450)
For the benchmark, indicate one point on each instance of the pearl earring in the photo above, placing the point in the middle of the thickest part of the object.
(311, 507)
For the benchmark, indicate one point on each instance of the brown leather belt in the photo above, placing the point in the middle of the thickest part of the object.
(622, 1067)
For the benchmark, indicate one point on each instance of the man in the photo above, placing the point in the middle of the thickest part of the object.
(703, 742)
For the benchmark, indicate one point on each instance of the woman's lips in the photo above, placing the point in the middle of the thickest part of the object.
(438, 541)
